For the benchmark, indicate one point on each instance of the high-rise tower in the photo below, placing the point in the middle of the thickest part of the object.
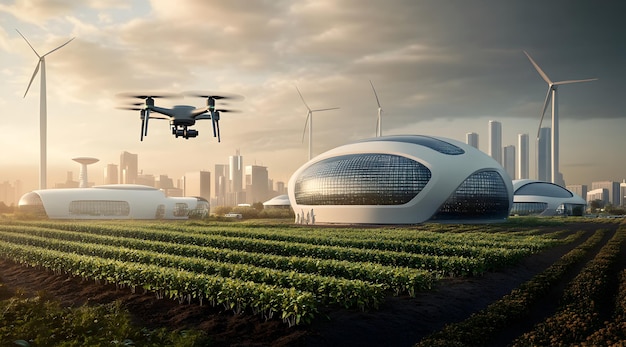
(472, 139)
(522, 156)
(128, 168)
(495, 140)
(544, 157)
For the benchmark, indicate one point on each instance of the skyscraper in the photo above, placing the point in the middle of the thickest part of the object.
(235, 173)
(236, 194)
(256, 183)
(522, 156)
(128, 168)
(509, 160)
(220, 178)
(495, 140)
(472, 139)
(197, 184)
(111, 174)
(613, 189)
(544, 166)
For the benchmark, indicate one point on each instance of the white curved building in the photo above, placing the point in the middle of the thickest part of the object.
(115, 201)
(533, 197)
(404, 179)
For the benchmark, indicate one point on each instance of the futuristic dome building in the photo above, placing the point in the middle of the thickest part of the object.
(532, 197)
(115, 201)
(403, 179)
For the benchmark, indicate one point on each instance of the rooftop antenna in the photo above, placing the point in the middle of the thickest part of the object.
(309, 121)
(552, 94)
(41, 64)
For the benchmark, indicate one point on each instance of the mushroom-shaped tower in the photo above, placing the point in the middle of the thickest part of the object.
(84, 161)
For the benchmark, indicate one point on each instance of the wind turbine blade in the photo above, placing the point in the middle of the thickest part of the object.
(376, 95)
(325, 109)
(545, 106)
(33, 77)
(543, 74)
(306, 122)
(70, 40)
(575, 81)
(305, 104)
(31, 46)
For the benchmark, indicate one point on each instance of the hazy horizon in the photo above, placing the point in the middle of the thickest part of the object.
(440, 68)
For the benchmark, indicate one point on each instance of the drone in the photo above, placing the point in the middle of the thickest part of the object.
(181, 117)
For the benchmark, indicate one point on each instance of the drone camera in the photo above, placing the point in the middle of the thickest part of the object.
(186, 133)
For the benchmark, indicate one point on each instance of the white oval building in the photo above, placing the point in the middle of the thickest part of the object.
(403, 179)
(115, 201)
(533, 197)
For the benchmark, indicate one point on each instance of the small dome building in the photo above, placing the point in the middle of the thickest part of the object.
(538, 198)
(402, 179)
(114, 201)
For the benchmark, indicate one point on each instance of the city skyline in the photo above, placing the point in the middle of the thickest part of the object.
(433, 76)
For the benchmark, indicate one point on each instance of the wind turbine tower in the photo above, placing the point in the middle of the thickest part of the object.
(552, 94)
(41, 64)
(379, 120)
(309, 121)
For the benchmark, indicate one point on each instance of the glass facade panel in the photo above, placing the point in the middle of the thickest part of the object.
(528, 208)
(180, 209)
(440, 146)
(361, 179)
(31, 203)
(544, 189)
(483, 195)
(566, 209)
(99, 208)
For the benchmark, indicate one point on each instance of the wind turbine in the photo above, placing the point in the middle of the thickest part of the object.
(379, 120)
(552, 94)
(41, 64)
(309, 121)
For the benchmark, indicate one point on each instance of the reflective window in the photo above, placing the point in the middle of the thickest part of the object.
(544, 189)
(180, 209)
(361, 179)
(483, 195)
(160, 212)
(571, 209)
(31, 203)
(528, 208)
(426, 141)
(99, 208)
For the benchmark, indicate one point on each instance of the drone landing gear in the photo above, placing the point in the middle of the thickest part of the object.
(183, 131)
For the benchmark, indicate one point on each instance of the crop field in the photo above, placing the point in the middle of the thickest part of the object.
(295, 274)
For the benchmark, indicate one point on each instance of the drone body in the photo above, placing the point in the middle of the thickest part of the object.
(181, 117)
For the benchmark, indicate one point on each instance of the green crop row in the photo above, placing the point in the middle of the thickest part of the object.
(578, 316)
(293, 306)
(397, 238)
(479, 328)
(496, 253)
(398, 279)
(612, 333)
(328, 290)
(447, 265)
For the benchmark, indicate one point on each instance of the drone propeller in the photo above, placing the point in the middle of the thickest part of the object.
(148, 95)
(214, 95)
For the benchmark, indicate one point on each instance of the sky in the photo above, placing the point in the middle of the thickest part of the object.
(441, 68)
